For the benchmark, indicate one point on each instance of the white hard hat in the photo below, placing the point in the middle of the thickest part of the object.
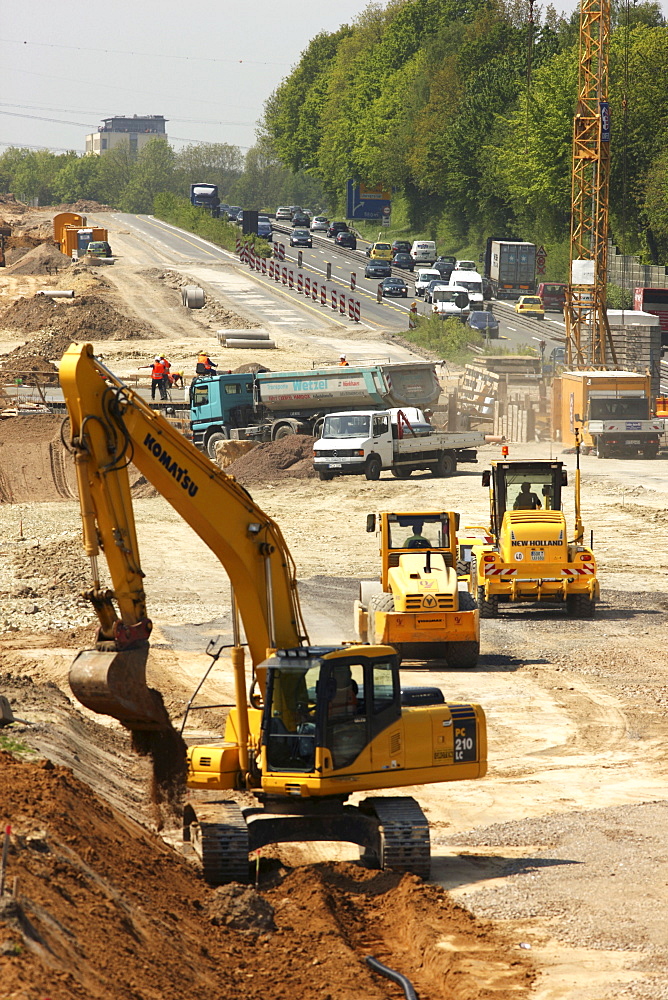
(157, 357)
(342, 355)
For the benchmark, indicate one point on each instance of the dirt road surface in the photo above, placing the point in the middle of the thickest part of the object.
(550, 875)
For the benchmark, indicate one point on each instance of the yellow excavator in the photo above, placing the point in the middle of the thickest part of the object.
(315, 723)
(417, 605)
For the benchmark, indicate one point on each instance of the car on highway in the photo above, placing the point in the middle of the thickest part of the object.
(301, 220)
(395, 287)
(337, 227)
(264, 227)
(283, 214)
(347, 240)
(446, 258)
(378, 269)
(301, 238)
(379, 251)
(444, 268)
(401, 246)
(466, 265)
(423, 252)
(530, 305)
(295, 208)
(404, 261)
(484, 322)
(424, 276)
(319, 224)
(232, 212)
(428, 294)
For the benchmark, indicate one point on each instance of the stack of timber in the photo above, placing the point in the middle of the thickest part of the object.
(489, 378)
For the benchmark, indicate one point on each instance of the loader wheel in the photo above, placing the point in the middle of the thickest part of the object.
(488, 607)
(466, 601)
(462, 655)
(580, 606)
(378, 602)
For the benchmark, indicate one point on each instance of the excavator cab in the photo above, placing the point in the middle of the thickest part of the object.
(325, 706)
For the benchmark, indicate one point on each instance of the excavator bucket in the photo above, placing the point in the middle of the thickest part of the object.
(114, 683)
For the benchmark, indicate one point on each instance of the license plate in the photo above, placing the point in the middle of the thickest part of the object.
(632, 441)
(537, 555)
(335, 465)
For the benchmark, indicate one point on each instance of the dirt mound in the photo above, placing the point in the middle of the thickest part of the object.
(88, 317)
(104, 909)
(252, 368)
(289, 458)
(44, 258)
(83, 206)
(212, 311)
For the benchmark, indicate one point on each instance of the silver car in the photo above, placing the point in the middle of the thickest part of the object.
(319, 224)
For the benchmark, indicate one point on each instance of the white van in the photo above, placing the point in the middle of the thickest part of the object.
(423, 251)
(424, 276)
(451, 300)
(472, 282)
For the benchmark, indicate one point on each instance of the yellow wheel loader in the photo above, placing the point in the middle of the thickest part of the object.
(417, 606)
(530, 557)
(313, 723)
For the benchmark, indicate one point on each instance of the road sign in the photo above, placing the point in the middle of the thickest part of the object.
(365, 201)
(386, 220)
(386, 210)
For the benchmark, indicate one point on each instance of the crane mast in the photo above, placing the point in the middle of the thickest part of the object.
(588, 338)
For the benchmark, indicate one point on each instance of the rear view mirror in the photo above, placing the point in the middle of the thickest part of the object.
(371, 522)
(486, 477)
(457, 521)
(564, 477)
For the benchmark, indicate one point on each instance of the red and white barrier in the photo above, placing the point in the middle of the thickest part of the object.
(277, 272)
(300, 282)
(264, 265)
(291, 278)
(284, 275)
(271, 269)
(274, 250)
(314, 290)
(334, 302)
(342, 305)
(357, 311)
(281, 251)
(351, 309)
(323, 295)
(353, 281)
(238, 245)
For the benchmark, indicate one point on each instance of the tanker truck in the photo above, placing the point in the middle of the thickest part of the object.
(270, 405)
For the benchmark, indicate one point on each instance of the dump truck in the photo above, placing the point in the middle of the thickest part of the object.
(364, 442)
(271, 405)
(610, 411)
(417, 606)
(530, 557)
(510, 267)
(312, 724)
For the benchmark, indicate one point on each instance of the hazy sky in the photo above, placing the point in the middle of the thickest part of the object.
(207, 67)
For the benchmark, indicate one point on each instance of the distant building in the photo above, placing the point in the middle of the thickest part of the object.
(135, 131)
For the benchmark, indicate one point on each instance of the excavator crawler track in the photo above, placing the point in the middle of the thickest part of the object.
(403, 835)
(221, 841)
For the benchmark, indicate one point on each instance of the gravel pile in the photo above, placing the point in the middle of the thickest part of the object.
(289, 458)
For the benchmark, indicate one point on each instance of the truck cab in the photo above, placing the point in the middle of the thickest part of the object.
(218, 405)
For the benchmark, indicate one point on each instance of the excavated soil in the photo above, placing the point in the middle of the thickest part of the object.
(82, 317)
(289, 458)
(102, 908)
(212, 311)
(44, 258)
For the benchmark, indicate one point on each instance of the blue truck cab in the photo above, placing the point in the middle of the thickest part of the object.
(219, 404)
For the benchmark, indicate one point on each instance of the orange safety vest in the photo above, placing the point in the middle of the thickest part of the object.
(203, 359)
(159, 370)
(167, 365)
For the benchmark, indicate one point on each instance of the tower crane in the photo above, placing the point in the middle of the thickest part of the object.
(588, 339)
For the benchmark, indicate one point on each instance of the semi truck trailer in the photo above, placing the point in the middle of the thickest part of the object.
(510, 267)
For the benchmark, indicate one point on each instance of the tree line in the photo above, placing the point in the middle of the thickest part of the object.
(131, 183)
(465, 110)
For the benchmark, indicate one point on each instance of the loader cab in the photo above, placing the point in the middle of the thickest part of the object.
(325, 706)
(403, 533)
(523, 486)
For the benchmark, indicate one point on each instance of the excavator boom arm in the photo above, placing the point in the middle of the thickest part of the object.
(111, 426)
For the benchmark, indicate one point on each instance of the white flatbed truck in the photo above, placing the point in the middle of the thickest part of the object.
(364, 442)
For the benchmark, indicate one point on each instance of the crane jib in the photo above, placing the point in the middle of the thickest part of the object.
(173, 468)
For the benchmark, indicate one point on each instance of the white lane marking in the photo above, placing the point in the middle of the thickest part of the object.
(513, 328)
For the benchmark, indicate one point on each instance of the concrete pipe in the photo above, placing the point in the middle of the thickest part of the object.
(259, 345)
(193, 296)
(57, 293)
(242, 335)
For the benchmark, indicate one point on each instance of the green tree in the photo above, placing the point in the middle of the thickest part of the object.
(78, 178)
(152, 174)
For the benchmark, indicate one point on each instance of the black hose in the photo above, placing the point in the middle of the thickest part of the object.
(396, 977)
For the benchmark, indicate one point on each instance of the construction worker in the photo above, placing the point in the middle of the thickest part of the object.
(205, 366)
(526, 500)
(342, 361)
(158, 377)
(176, 378)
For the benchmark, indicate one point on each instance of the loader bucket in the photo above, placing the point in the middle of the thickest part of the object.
(114, 683)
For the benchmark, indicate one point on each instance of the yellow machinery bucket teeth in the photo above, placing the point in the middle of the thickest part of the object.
(114, 683)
